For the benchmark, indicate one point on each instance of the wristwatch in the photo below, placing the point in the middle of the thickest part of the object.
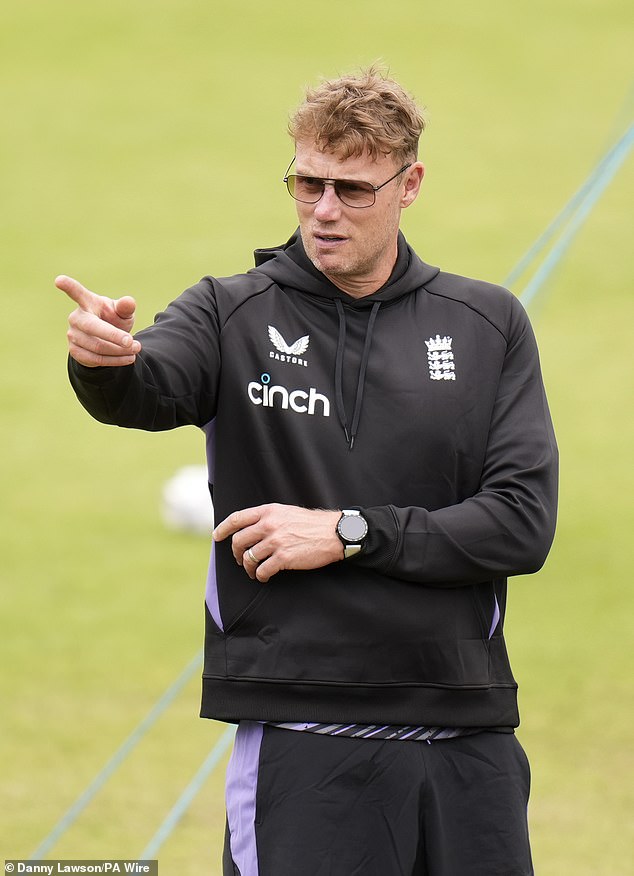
(352, 528)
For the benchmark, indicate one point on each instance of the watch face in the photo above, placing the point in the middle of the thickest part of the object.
(353, 528)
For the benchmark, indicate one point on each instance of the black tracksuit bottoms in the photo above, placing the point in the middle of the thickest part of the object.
(302, 804)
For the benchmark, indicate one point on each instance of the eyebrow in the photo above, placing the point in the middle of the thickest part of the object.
(330, 178)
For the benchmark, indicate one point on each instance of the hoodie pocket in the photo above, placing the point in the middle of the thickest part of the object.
(370, 631)
(247, 611)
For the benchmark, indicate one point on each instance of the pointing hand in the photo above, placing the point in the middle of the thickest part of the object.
(99, 328)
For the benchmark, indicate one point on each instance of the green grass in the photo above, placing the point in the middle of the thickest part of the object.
(143, 147)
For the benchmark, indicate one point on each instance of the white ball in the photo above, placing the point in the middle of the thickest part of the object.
(186, 504)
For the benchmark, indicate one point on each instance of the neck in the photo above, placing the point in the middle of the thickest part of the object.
(360, 287)
(359, 283)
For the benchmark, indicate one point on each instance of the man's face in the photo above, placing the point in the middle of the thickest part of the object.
(354, 247)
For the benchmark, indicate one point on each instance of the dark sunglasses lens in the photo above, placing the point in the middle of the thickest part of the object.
(305, 188)
(355, 194)
(309, 190)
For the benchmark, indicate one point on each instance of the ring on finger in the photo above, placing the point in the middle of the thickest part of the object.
(252, 556)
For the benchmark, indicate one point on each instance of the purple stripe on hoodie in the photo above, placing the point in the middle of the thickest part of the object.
(496, 618)
(211, 593)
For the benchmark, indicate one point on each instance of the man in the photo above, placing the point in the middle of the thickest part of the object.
(381, 459)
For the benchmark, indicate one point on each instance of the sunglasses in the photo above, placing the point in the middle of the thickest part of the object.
(351, 192)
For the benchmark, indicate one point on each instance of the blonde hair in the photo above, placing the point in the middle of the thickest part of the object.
(357, 115)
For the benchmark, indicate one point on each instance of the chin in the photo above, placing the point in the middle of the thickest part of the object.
(322, 264)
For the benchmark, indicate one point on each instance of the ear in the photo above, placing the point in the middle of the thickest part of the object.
(412, 183)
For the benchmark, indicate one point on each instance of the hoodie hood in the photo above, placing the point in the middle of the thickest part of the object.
(289, 266)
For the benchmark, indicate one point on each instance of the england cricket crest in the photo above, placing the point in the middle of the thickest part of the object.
(440, 358)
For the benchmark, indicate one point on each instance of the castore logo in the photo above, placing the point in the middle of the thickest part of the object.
(291, 353)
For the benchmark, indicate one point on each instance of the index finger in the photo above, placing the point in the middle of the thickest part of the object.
(235, 522)
(78, 293)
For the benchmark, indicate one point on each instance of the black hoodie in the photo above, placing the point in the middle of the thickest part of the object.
(422, 405)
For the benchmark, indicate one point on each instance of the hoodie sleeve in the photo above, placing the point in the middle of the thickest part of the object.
(174, 379)
(507, 527)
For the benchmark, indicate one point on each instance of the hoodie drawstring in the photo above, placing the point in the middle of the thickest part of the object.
(358, 402)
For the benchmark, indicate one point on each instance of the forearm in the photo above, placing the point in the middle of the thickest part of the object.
(487, 536)
(132, 397)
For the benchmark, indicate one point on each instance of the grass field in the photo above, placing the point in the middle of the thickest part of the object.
(143, 147)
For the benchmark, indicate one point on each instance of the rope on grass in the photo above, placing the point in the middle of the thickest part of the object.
(571, 218)
(187, 797)
(131, 742)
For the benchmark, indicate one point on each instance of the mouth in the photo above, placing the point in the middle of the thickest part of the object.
(328, 240)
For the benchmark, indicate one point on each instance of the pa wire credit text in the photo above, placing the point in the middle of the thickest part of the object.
(51, 867)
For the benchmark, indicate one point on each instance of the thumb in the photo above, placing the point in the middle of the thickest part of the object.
(125, 307)
(119, 312)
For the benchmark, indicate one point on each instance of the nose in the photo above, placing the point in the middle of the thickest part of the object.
(328, 207)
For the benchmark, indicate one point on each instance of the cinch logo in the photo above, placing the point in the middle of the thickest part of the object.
(298, 400)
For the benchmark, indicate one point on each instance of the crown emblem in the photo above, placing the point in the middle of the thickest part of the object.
(438, 344)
